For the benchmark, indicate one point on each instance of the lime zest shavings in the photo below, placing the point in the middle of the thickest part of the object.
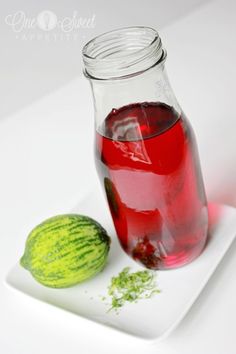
(131, 287)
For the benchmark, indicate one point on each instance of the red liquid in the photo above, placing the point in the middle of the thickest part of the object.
(147, 160)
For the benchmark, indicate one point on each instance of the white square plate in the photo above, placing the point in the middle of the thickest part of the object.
(149, 319)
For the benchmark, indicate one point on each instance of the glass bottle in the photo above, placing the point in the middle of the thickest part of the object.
(145, 150)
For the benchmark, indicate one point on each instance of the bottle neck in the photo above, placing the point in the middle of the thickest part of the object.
(150, 86)
(122, 53)
(127, 66)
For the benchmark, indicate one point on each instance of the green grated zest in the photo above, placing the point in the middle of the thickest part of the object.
(131, 287)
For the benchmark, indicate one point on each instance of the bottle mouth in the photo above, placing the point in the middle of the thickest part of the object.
(122, 53)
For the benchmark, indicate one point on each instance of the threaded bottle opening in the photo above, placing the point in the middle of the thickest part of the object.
(122, 53)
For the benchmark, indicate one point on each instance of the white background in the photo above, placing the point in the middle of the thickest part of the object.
(30, 69)
(41, 158)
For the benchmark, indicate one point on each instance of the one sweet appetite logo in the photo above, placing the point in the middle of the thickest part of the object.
(47, 25)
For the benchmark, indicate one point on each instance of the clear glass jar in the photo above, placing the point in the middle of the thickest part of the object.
(145, 150)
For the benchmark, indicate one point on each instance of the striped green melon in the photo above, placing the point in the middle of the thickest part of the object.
(65, 250)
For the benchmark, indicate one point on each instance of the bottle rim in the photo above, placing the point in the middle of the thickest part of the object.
(122, 53)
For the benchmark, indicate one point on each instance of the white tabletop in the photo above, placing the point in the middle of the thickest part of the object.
(47, 166)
